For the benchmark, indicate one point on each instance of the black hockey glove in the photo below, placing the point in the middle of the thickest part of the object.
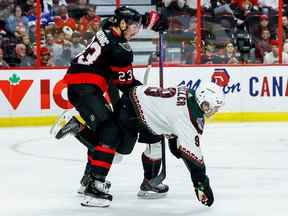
(155, 21)
(204, 192)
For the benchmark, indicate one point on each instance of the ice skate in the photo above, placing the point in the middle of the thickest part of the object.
(96, 194)
(64, 125)
(86, 179)
(147, 191)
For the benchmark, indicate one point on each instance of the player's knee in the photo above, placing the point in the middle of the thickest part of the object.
(153, 151)
(95, 122)
(109, 134)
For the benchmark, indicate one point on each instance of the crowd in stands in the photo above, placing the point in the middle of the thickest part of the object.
(232, 31)
(66, 28)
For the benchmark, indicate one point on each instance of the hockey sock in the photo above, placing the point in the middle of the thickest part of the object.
(101, 160)
(151, 167)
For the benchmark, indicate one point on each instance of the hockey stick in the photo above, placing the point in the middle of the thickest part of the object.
(158, 179)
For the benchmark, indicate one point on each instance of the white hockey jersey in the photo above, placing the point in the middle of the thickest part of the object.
(169, 111)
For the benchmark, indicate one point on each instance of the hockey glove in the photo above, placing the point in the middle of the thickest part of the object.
(155, 21)
(204, 192)
(200, 181)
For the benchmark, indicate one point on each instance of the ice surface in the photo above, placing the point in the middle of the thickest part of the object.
(247, 165)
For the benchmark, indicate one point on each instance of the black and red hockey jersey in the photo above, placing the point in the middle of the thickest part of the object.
(108, 58)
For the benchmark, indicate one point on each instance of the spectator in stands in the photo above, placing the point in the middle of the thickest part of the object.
(76, 46)
(242, 8)
(50, 42)
(230, 54)
(49, 6)
(56, 45)
(3, 63)
(8, 43)
(20, 58)
(273, 56)
(16, 19)
(64, 20)
(6, 8)
(65, 57)
(211, 56)
(46, 20)
(78, 9)
(90, 22)
(26, 41)
(28, 6)
(20, 31)
(263, 46)
(45, 57)
(264, 24)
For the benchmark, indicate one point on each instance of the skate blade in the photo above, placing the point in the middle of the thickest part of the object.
(59, 123)
(94, 202)
(81, 190)
(150, 195)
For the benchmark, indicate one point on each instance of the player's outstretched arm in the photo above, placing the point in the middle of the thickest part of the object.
(199, 178)
(201, 183)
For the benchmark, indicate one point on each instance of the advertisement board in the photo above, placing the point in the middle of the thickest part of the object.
(253, 93)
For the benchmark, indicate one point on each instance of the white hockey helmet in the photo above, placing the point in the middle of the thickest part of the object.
(210, 98)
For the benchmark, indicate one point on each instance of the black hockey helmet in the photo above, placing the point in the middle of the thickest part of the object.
(130, 15)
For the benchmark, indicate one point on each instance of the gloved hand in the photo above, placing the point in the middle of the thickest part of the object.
(204, 192)
(155, 21)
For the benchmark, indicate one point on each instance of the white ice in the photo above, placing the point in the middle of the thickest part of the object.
(247, 165)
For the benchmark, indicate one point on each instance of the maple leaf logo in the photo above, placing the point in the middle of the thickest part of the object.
(15, 89)
(14, 79)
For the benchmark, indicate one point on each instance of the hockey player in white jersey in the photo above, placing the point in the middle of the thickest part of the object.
(177, 112)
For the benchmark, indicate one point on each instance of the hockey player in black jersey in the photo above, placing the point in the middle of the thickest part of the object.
(93, 80)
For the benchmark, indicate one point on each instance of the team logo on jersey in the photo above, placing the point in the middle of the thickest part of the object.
(126, 46)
